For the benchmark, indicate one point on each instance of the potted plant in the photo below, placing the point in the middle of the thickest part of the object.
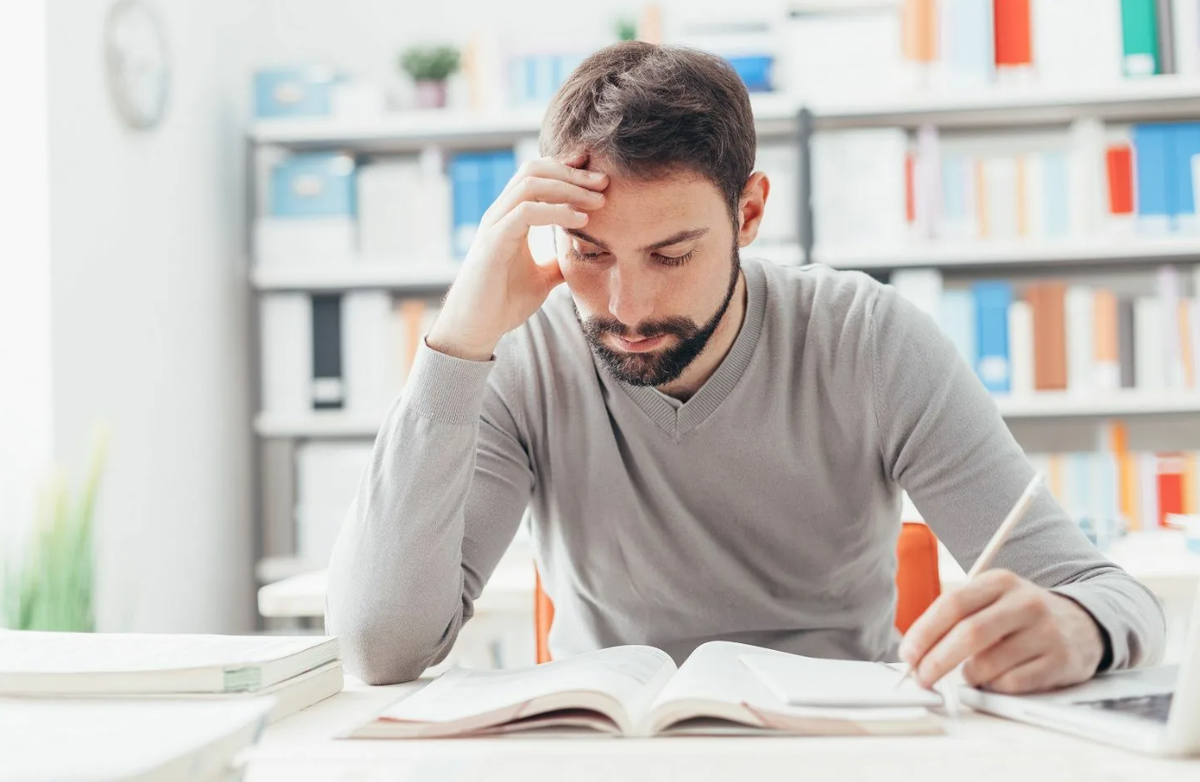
(429, 66)
(50, 588)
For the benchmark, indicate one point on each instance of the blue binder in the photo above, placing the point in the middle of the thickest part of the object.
(992, 300)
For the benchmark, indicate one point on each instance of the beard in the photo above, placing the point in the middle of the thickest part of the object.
(657, 367)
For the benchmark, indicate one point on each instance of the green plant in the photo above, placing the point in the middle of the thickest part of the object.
(626, 29)
(429, 63)
(51, 589)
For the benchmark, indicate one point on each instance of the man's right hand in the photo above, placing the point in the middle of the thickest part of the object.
(500, 285)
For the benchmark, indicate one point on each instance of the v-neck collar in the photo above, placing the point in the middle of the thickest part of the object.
(702, 404)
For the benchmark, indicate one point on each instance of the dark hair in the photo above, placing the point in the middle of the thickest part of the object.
(648, 109)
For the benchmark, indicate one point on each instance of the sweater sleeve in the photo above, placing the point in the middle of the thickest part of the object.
(448, 482)
(943, 440)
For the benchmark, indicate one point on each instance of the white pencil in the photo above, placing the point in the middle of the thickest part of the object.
(998, 537)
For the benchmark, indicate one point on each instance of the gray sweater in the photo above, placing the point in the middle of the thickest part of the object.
(764, 510)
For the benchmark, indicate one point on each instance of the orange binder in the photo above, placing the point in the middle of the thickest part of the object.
(1048, 300)
(1014, 39)
(1170, 486)
(1119, 161)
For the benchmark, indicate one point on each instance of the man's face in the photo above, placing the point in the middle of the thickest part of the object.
(651, 273)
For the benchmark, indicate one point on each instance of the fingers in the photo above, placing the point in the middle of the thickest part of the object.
(1035, 675)
(547, 190)
(1003, 656)
(567, 169)
(527, 214)
(948, 610)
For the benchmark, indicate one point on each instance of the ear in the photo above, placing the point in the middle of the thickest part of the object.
(751, 206)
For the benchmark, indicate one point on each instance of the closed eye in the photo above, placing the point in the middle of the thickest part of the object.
(579, 255)
(674, 260)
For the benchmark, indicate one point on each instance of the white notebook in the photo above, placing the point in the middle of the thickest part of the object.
(629, 691)
(33, 663)
(95, 740)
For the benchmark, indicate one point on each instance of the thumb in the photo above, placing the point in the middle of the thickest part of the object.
(552, 275)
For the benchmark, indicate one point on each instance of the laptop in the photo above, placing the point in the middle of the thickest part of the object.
(1151, 710)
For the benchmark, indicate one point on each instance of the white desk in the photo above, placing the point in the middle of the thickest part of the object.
(980, 749)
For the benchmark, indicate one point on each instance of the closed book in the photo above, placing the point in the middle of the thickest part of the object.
(1014, 34)
(285, 329)
(1183, 146)
(1184, 318)
(1153, 178)
(1087, 174)
(832, 54)
(1080, 350)
(1185, 24)
(1031, 196)
(967, 43)
(1139, 36)
(999, 208)
(958, 221)
(1149, 356)
(1169, 296)
(859, 188)
(927, 180)
(388, 202)
(1164, 29)
(327, 478)
(1119, 163)
(1194, 339)
(1056, 198)
(1107, 366)
(992, 300)
(1020, 347)
(1048, 300)
(919, 20)
(367, 354)
(435, 211)
(1170, 486)
(1148, 505)
(51, 663)
(1126, 342)
(328, 387)
(959, 322)
(1064, 57)
(1191, 503)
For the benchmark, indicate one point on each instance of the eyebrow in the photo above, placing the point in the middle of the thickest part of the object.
(676, 238)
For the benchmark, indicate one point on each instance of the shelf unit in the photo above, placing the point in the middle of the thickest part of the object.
(776, 116)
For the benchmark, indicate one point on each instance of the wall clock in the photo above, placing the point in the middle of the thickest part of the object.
(137, 62)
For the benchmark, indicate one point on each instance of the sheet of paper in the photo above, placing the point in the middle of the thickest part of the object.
(623, 673)
(38, 652)
(807, 681)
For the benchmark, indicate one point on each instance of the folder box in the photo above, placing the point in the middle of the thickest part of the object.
(320, 184)
(297, 91)
(313, 241)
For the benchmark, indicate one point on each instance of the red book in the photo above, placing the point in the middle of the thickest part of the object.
(1014, 39)
(1170, 487)
(1119, 160)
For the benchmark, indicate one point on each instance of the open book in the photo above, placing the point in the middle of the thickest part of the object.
(638, 691)
(46, 663)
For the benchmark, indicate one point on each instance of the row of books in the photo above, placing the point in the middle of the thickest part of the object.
(879, 187)
(350, 352)
(1051, 336)
(334, 209)
(958, 45)
(1114, 491)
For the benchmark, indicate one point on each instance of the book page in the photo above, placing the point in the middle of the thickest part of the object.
(31, 652)
(714, 682)
(629, 675)
(806, 681)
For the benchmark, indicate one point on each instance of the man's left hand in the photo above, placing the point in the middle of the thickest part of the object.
(1011, 636)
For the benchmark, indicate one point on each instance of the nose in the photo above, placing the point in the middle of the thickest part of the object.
(630, 296)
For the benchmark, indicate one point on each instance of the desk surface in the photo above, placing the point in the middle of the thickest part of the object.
(979, 748)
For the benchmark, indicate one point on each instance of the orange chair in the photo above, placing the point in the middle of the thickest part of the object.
(917, 585)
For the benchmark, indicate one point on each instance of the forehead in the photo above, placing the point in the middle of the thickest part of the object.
(633, 205)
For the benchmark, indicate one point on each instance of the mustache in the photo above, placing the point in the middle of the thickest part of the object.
(678, 326)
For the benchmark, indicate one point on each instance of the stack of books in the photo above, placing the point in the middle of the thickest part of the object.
(101, 706)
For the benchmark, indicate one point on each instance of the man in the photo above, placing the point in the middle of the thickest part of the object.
(709, 447)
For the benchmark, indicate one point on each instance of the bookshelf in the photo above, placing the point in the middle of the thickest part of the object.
(1017, 255)
(780, 119)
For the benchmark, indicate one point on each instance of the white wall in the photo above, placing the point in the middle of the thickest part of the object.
(149, 318)
(25, 412)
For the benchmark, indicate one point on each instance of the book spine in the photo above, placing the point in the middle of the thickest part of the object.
(992, 300)
(958, 321)
(1139, 37)
(1169, 295)
(1148, 352)
(1020, 345)
(1127, 340)
(1050, 336)
(1185, 23)
(1184, 145)
(328, 388)
(1107, 366)
(1164, 35)
(1013, 34)
(1080, 352)
(1152, 185)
